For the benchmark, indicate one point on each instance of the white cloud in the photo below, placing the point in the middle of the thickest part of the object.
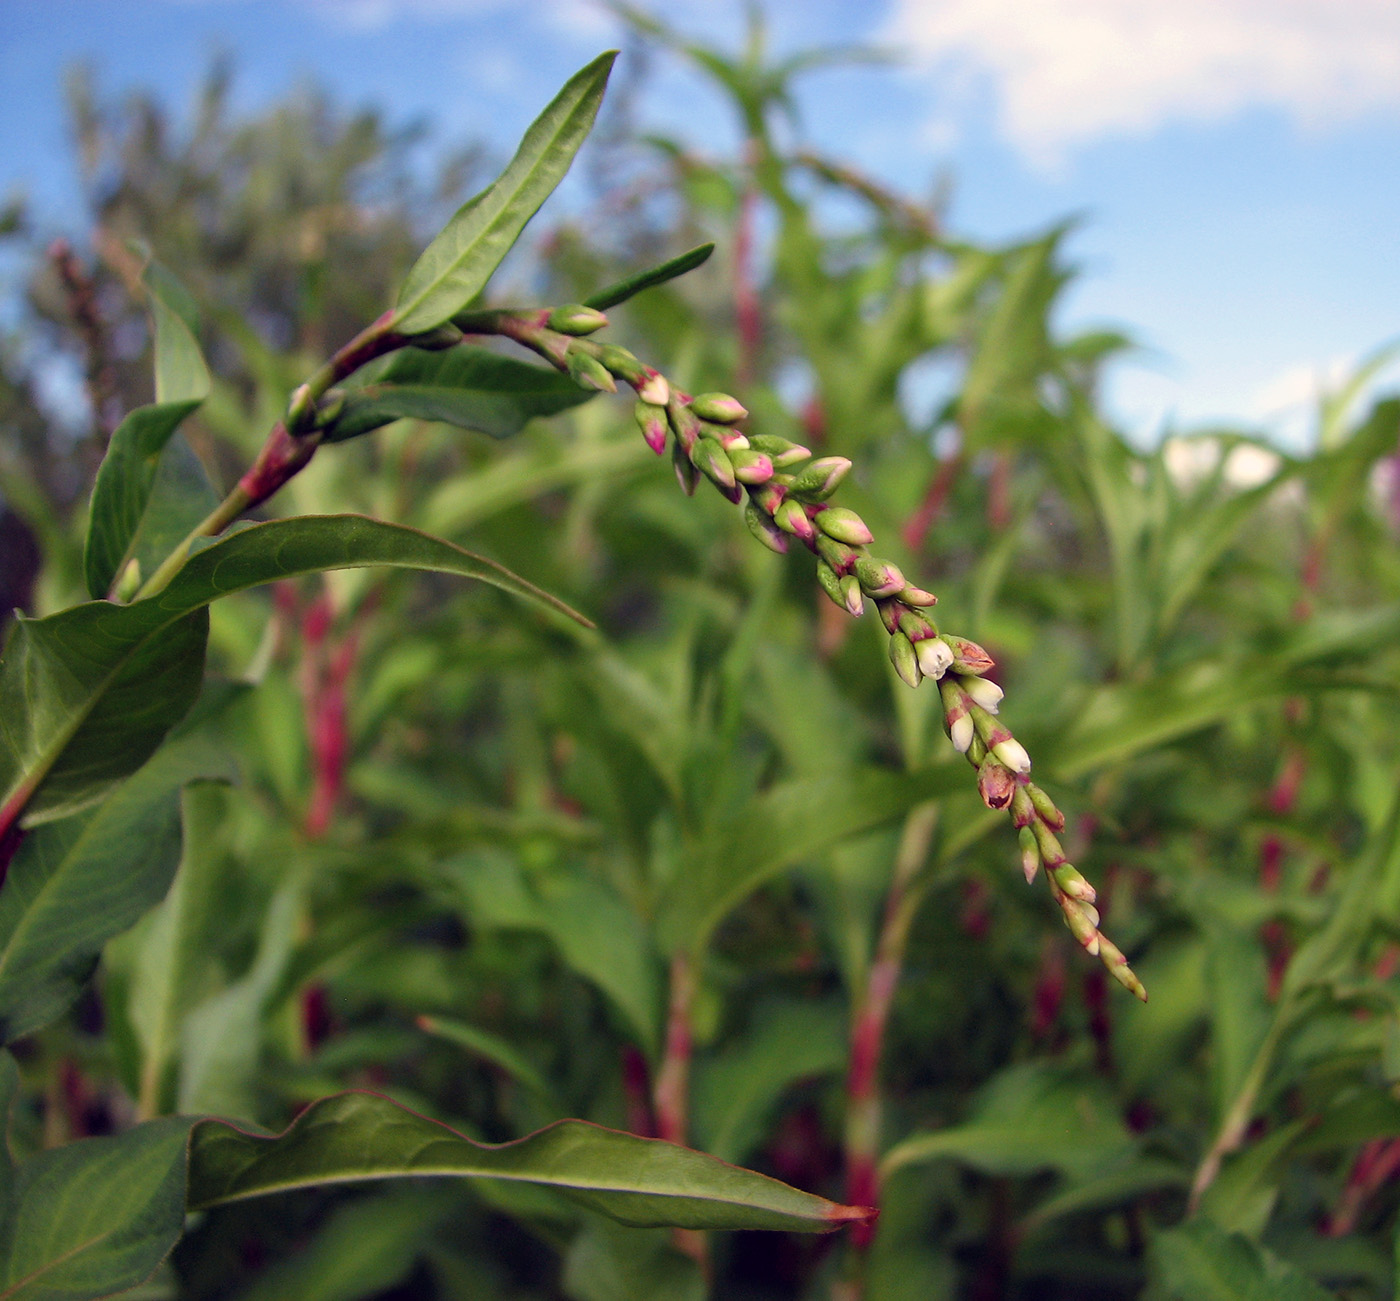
(1064, 72)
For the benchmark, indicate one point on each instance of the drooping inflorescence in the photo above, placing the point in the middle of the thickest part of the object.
(786, 494)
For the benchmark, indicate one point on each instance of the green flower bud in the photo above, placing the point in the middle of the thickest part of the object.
(782, 452)
(685, 423)
(750, 466)
(713, 462)
(1112, 958)
(830, 582)
(764, 529)
(1069, 880)
(850, 593)
(1030, 854)
(729, 439)
(686, 474)
(916, 596)
(1051, 851)
(1022, 810)
(903, 658)
(820, 479)
(976, 751)
(836, 554)
(576, 319)
(889, 614)
(915, 626)
(844, 526)
(1077, 918)
(791, 516)
(719, 407)
(588, 372)
(651, 420)
(618, 361)
(1045, 808)
(877, 577)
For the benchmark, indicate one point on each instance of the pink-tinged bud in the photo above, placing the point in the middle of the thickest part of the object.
(889, 614)
(783, 452)
(850, 593)
(587, 371)
(1013, 754)
(1045, 808)
(1076, 917)
(830, 582)
(1051, 851)
(685, 423)
(750, 466)
(686, 474)
(653, 388)
(844, 526)
(878, 577)
(836, 554)
(1112, 958)
(713, 462)
(1030, 855)
(621, 363)
(576, 319)
(729, 439)
(995, 784)
(916, 596)
(820, 479)
(719, 407)
(1070, 880)
(934, 657)
(1022, 810)
(985, 693)
(968, 656)
(915, 626)
(764, 529)
(791, 517)
(903, 659)
(651, 420)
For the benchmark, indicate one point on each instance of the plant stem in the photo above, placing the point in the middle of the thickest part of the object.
(210, 526)
(672, 1094)
(870, 1017)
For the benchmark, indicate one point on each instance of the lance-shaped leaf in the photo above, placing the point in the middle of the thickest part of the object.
(638, 1181)
(455, 267)
(87, 694)
(74, 884)
(471, 388)
(128, 471)
(92, 1218)
(649, 279)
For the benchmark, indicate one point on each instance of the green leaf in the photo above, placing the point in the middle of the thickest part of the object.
(1031, 1117)
(94, 1217)
(1201, 1262)
(471, 388)
(649, 279)
(781, 826)
(87, 694)
(455, 267)
(633, 1180)
(75, 884)
(495, 1050)
(128, 472)
(608, 1263)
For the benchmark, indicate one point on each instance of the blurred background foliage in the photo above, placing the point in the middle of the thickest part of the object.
(483, 867)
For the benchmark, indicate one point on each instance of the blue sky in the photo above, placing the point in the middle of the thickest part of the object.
(1236, 163)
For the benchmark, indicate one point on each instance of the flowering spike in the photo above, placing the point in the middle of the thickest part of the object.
(905, 662)
(844, 526)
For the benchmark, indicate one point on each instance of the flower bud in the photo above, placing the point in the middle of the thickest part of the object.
(576, 319)
(889, 614)
(1112, 958)
(1051, 851)
(916, 596)
(653, 388)
(877, 577)
(976, 750)
(850, 594)
(995, 784)
(915, 626)
(719, 407)
(588, 372)
(750, 466)
(844, 526)
(830, 582)
(956, 719)
(729, 439)
(684, 422)
(791, 516)
(1022, 810)
(820, 479)
(1045, 808)
(968, 656)
(984, 692)
(1030, 854)
(1077, 918)
(1070, 880)
(686, 474)
(903, 658)
(713, 462)
(1013, 754)
(764, 529)
(651, 420)
(836, 554)
(782, 452)
(621, 363)
(934, 657)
